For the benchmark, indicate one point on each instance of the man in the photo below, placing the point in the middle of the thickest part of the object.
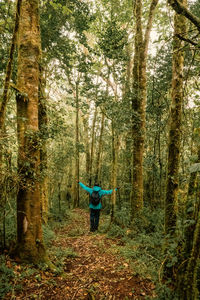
(96, 193)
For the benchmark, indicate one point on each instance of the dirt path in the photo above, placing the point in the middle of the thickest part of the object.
(91, 270)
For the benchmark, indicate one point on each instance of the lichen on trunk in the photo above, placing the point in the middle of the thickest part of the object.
(29, 230)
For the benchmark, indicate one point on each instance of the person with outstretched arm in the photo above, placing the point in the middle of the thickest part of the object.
(95, 205)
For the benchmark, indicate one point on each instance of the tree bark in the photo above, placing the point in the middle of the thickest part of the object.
(87, 148)
(139, 95)
(190, 290)
(99, 153)
(43, 123)
(92, 147)
(181, 8)
(171, 196)
(175, 127)
(4, 101)
(76, 195)
(115, 148)
(29, 230)
(9, 67)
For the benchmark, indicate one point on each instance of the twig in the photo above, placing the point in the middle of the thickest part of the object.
(162, 264)
(186, 40)
(152, 257)
(80, 287)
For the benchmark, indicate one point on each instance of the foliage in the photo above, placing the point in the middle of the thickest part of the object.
(115, 231)
(6, 276)
(48, 234)
(164, 292)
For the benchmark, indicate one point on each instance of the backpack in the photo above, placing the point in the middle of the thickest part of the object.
(95, 198)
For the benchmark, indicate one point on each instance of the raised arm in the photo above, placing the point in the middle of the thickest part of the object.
(107, 192)
(86, 188)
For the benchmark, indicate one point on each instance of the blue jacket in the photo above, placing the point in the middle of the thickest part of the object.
(96, 189)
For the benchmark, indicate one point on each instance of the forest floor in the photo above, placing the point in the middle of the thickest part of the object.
(87, 267)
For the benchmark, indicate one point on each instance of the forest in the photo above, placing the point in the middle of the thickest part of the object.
(100, 94)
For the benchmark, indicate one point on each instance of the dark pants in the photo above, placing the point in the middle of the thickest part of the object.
(94, 219)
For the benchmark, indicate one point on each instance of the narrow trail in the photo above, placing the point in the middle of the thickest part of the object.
(92, 271)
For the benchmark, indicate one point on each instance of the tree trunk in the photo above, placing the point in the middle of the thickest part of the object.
(4, 101)
(92, 147)
(190, 212)
(128, 140)
(115, 148)
(29, 230)
(181, 8)
(9, 68)
(87, 148)
(43, 122)
(189, 289)
(175, 127)
(98, 161)
(139, 95)
(76, 195)
(174, 135)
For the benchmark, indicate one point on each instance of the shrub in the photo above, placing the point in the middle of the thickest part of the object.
(6, 276)
(116, 231)
(48, 234)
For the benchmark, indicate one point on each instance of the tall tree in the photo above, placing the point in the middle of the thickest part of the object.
(139, 95)
(175, 126)
(175, 130)
(99, 151)
(43, 122)
(29, 231)
(76, 195)
(181, 8)
(92, 146)
(9, 68)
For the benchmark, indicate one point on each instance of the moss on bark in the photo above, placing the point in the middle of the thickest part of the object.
(29, 231)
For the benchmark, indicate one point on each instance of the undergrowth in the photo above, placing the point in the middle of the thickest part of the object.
(141, 245)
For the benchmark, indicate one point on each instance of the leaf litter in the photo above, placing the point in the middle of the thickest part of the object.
(89, 270)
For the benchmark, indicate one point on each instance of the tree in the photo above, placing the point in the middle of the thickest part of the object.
(29, 231)
(139, 95)
(43, 123)
(181, 9)
(171, 196)
(76, 196)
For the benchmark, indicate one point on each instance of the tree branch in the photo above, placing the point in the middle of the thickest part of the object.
(184, 11)
(186, 40)
(149, 24)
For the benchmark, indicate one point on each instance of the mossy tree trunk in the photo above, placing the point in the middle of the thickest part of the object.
(76, 194)
(128, 139)
(191, 211)
(4, 101)
(115, 148)
(43, 123)
(139, 95)
(29, 230)
(187, 276)
(9, 68)
(190, 290)
(87, 147)
(92, 147)
(174, 136)
(175, 127)
(99, 151)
